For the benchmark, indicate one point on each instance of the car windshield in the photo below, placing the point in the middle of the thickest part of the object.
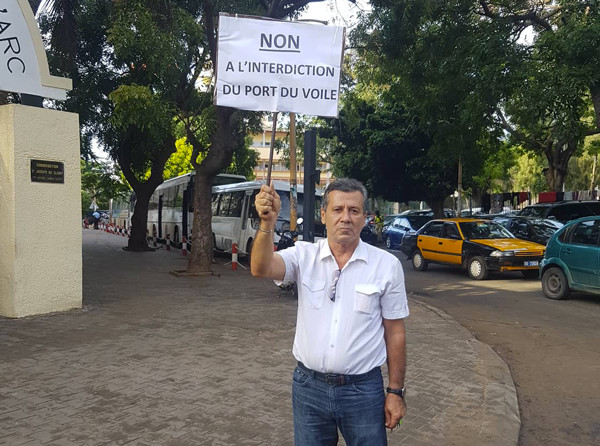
(544, 229)
(535, 211)
(417, 221)
(479, 230)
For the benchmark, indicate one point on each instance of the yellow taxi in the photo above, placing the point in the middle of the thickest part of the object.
(479, 246)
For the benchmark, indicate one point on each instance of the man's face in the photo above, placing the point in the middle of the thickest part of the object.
(344, 217)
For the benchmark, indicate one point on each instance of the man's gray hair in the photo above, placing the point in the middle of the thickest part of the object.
(345, 185)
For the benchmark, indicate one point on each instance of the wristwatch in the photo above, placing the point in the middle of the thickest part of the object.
(400, 392)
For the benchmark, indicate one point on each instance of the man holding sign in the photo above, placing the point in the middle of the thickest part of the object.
(351, 309)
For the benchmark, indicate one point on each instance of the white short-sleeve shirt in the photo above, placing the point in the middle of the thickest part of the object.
(344, 336)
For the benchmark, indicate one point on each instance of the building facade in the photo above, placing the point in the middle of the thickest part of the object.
(261, 142)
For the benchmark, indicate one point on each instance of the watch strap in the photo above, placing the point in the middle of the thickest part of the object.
(400, 392)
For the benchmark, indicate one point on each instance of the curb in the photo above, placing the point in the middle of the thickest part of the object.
(502, 421)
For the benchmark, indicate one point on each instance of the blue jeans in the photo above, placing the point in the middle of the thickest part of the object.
(357, 409)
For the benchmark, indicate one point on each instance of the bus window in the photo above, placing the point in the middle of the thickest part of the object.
(224, 206)
(215, 204)
(179, 197)
(318, 209)
(190, 191)
(285, 205)
(153, 204)
(252, 208)
(235, 206)
(169, 195)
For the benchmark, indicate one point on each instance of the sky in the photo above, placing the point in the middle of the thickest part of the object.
(336, 12)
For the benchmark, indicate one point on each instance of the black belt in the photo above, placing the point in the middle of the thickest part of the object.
(336, 379)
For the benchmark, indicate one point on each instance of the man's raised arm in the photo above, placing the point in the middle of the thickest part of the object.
(263, 262)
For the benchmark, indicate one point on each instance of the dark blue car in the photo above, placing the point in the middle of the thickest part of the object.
(393, 234)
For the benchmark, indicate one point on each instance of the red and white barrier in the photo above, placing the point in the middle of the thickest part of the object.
(234, 257)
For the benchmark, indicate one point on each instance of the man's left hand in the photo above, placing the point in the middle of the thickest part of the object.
(395, 409)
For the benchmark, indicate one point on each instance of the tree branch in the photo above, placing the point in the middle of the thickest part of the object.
(210, 30)
(530, 17)
(517, 134)
(196, 145)
(274, 8)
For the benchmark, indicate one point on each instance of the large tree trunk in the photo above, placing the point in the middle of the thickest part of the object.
(202, 239)
(558, 156)
(437, 206)
(555, 176)
(139, 220)
(595, 93)
(223, 143)
(143, 190)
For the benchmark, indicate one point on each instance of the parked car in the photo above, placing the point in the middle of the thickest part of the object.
(479, 246)
(393, 234)
(448, 213)
(572, 259)
(538, 230)
(425, 212)
(368, 234)
(562, 211)
(388, 219)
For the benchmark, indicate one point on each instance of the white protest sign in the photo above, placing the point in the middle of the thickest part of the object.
(23, 62)
(272, 65)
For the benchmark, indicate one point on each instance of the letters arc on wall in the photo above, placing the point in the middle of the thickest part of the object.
(274, 65)
(23, 61)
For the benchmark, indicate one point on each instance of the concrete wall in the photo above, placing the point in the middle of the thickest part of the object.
(40, 223)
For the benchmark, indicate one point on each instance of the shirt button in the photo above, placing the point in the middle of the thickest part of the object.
(331, 345)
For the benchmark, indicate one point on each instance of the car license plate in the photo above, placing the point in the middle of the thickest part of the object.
(532, 263)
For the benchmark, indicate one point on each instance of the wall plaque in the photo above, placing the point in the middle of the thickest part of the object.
(47, 171)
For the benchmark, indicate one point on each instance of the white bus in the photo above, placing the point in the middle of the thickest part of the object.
(171, 207)
(234, 217)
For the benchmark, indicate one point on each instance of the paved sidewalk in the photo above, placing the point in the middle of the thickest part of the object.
(153, 359)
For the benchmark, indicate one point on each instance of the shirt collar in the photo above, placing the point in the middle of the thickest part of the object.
(360, 253)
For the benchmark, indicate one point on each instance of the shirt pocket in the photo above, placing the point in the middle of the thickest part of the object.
(314, 291)
(366, 296)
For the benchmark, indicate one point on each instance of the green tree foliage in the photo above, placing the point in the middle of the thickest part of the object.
(382, 145)
(556, 88)
(228, 127)
(495, 175)
(461, 69)
(583, 170)
(179, 163)
(165, 47)
(100, 181)
(415, 72)
(326, 140)
(244, 160)
(528, 173)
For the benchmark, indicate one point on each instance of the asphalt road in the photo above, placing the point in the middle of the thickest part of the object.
(551, 347)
